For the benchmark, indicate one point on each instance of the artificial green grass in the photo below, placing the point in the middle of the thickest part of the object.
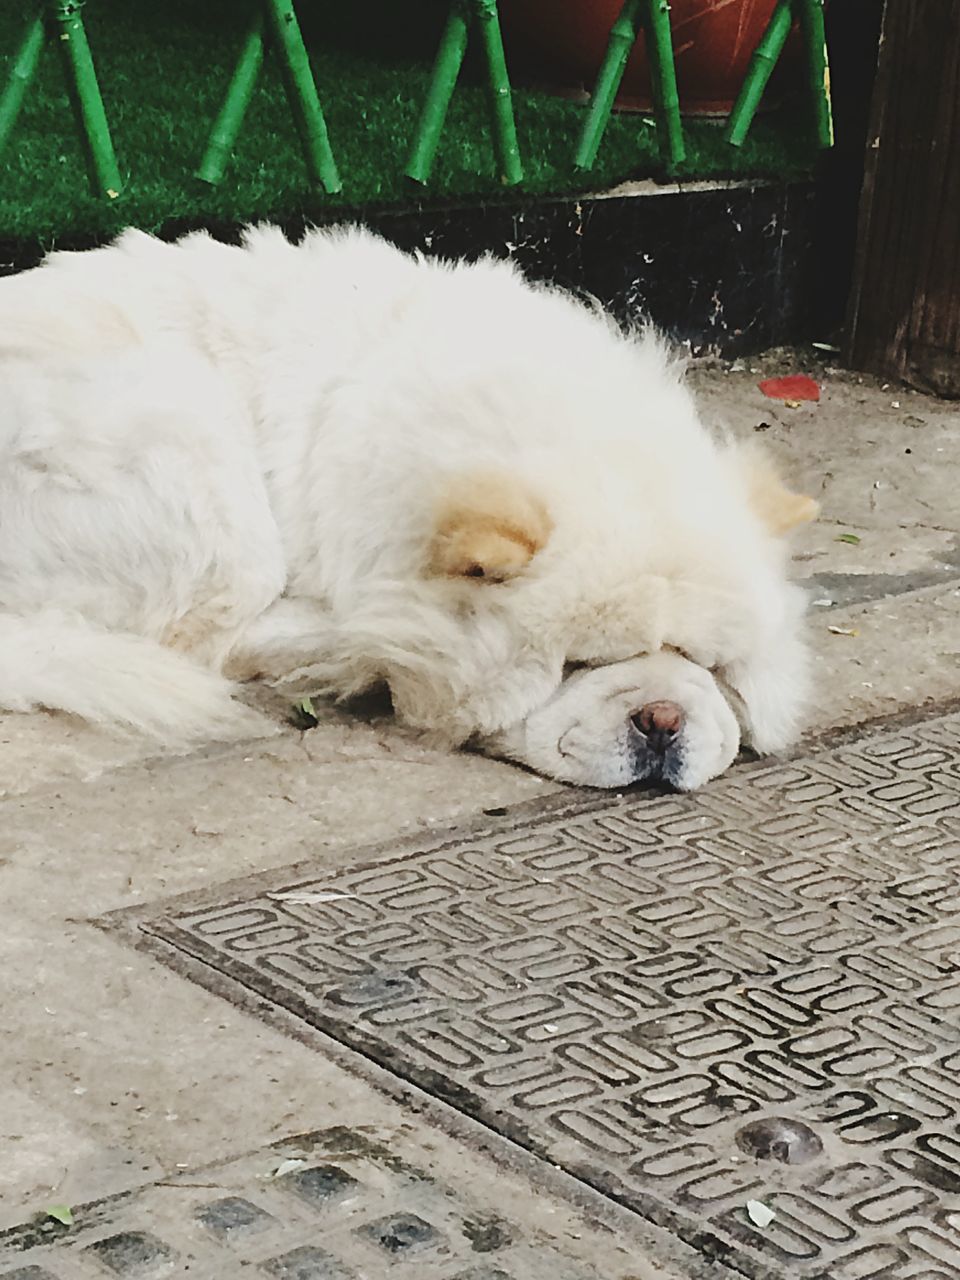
(163, 69)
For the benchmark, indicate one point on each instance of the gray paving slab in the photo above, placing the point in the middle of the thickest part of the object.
(120, 1078)
(338, 1204)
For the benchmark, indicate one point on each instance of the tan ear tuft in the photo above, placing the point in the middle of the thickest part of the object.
(777, 506)
(489, 526)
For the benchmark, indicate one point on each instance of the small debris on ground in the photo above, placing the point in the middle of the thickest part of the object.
(303, 716)
(793, 388)
(60, 1213)
(759, 1214)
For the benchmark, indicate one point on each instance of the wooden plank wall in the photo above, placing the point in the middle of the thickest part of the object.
(904, 314)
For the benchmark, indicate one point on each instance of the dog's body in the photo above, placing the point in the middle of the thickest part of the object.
(338, 463)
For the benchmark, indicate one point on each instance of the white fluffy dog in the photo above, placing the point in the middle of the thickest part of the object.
(335, 465)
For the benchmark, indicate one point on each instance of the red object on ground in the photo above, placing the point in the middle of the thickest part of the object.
(795, 387)
(562, 43)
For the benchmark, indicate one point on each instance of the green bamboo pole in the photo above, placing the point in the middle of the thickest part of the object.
(663, 76)
(501, 98)
(655, 17)
(623, 36)
(93, 119)
(443, 80)
(22, 72)
(818, 68)
(302, 93)
(226, 128)
(761, 67)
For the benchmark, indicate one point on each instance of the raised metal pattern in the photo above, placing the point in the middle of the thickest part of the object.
(625, 989)
(331, 1205)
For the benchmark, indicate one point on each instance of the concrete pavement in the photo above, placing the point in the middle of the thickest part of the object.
(118, 1072)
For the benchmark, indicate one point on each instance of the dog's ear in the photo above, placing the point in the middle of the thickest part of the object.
(777, 506)
(488, 526)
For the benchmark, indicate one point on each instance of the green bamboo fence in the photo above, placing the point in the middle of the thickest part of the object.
(274, 31)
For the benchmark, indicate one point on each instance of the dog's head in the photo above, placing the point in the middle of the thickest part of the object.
(612, 650)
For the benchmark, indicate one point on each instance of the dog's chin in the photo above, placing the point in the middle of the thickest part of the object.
(668, 770)
(633, 765)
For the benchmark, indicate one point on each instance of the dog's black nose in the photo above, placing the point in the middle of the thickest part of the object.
(659, 722)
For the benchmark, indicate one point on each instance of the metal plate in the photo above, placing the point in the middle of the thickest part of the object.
(689, 1003)
(332, 1205)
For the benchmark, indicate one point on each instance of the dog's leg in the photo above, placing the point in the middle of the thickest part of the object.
(289, 637)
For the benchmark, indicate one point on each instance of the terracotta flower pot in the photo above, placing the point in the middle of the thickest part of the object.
(561, 44)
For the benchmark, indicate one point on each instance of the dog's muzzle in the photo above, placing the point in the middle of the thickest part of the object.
(657, 730)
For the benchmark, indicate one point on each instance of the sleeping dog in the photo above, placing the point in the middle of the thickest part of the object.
(333, 465)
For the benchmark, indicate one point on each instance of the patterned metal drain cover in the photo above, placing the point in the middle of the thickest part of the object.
(737, 1013)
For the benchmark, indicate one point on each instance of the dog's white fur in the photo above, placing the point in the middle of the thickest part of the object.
(292, 462)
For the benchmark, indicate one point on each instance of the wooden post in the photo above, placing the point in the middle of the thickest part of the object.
(904, 313)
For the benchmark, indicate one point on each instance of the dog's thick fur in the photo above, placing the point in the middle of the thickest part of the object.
(334, 465)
